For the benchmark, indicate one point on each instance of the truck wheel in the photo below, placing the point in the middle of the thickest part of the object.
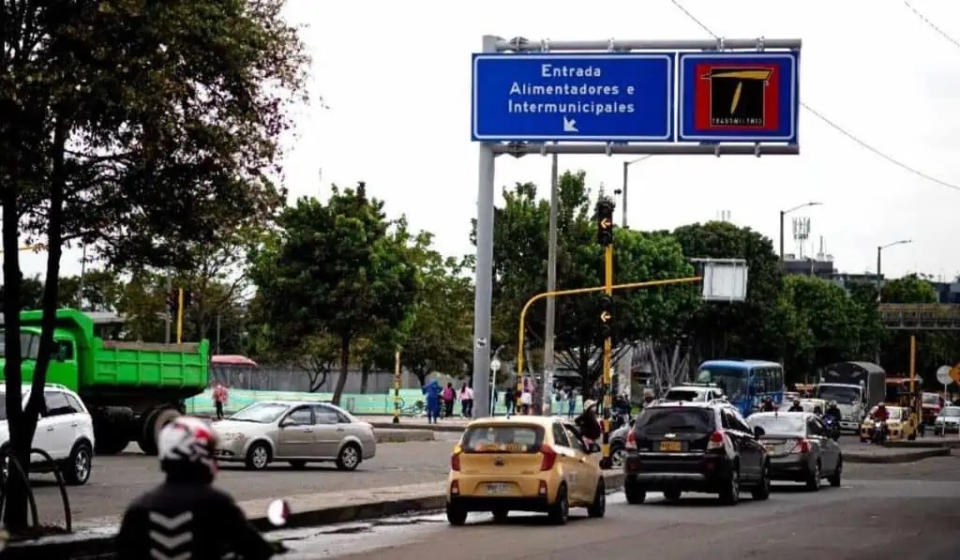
(155, 421)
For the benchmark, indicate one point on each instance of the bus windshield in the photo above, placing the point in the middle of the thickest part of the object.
(733, 382)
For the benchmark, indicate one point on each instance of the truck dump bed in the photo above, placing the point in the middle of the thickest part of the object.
(139, 364)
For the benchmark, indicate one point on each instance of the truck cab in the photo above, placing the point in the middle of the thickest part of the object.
(850, 400)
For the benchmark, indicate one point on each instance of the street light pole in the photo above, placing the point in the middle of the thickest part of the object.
(626, 166)
(783, 213)
(880, 249)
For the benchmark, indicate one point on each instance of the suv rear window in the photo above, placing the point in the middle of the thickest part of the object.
(674, 419)
(503, 439)
(682, 395)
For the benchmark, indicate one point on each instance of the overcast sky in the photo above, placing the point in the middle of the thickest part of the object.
(395, 82)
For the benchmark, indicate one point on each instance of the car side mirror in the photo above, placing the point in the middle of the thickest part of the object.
(758, 431)
(286, 422)
(594, 448)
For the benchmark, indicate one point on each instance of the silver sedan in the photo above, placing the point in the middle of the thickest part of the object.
(295, 432)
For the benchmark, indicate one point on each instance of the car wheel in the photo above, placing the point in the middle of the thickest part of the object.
(636, 494)
(456, 515)
(599, 506)
(813, 478)
(258, 456)
(560, 511)
(835, 477)
(762, 490)
(298, 464)
(730, 494)
(80, 464)
(672, 494)
(349, 457)
(618, 455)
(500, 515)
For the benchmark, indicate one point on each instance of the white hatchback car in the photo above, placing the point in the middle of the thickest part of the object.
(65, 432)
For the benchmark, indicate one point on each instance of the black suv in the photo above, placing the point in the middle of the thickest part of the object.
(699, 447)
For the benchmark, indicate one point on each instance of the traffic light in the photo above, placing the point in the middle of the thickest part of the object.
(606, 316)
(605, 222)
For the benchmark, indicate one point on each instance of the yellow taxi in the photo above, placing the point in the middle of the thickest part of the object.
(526, 463)
(901, 424)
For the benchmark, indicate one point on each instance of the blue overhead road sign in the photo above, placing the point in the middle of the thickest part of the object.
(738, 96)
(607, 97)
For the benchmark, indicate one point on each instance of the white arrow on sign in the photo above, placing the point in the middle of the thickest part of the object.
(495, 365)
(943, 375)
(569, 125)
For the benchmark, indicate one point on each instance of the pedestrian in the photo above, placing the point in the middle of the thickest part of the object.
(588, 423)
(510, 400)
(571, 403)
(432, 392)
(526, 396)
(219, 398)
(186, 517)
(449, 397)
(466, 401)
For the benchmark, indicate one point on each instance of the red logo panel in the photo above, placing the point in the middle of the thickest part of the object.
(735, 96)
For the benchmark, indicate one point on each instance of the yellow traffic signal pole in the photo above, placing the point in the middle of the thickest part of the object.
(915, 398)
(608, 289)
(396, 387)
(179, 315)
(607, 344)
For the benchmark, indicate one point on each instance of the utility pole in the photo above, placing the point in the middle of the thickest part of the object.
(396, 387)
(605, 209)
(548, 360)
(179, 315)
(218, 333)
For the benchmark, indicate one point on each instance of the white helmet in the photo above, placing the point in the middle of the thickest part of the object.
(187, 443)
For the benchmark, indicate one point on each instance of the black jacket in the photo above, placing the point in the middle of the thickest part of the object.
(589, 425)
(178, 517)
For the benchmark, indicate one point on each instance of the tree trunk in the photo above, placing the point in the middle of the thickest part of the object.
(16, 498)
(344, 366)
(364, 373)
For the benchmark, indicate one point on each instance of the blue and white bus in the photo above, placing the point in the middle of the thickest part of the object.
(744, 382)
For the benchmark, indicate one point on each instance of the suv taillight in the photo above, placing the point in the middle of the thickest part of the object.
(716, 440)
(631, 440)
(549, 457)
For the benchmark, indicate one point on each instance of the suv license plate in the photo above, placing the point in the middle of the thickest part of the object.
(671, 446)
(497, 488)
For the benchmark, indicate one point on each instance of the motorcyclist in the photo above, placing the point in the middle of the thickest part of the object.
(834, 411)
(587, 422)
(881, 414)
(185, 517)
(768, 405)
(796, 406)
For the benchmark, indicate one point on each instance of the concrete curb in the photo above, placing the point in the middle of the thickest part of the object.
(924, 444)
(389, 435)
(421, 427)
(906, 457)
(100, 542)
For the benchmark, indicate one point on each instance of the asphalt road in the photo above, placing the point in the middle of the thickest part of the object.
(881, 511)
(117, 480)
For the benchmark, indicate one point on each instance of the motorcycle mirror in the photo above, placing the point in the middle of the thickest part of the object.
(277, 513)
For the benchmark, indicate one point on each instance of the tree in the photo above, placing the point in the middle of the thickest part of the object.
(934, 348)
(335, 268)
(520, 261)
(748, 329)
(138, 128)
(441, 331)
(909, 289)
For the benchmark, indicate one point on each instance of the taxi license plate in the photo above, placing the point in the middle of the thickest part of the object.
(671, 446)
(497, 488)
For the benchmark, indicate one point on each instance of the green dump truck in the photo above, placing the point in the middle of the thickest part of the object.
(131, 388)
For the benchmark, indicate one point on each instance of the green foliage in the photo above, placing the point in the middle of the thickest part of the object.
(521, 230)
(909, 289)
(334, 268)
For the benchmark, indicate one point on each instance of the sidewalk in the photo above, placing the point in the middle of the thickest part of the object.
(453, 424)
(857, 452)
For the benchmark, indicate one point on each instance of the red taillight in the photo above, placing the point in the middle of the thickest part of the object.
(549, 457)
(716, 440)
(631, 440)
(455, 461)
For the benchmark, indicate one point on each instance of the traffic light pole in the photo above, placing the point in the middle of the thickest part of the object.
(179, 315)
(607, 348)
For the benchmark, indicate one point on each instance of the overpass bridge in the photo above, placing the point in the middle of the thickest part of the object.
(920, 316)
